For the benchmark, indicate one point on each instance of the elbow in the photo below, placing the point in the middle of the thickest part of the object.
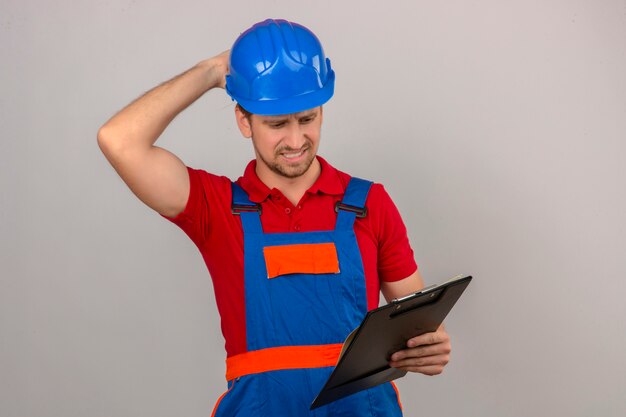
(104, 139)
(110, 141)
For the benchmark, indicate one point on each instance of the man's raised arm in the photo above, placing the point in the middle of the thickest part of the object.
(157, 177)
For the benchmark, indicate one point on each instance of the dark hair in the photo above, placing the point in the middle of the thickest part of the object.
(244, 111)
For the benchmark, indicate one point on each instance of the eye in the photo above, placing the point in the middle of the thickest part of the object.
(277, 125)
(306, 120)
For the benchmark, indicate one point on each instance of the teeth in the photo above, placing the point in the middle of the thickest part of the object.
(292, 155)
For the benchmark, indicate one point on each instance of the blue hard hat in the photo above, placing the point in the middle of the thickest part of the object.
(279, 67)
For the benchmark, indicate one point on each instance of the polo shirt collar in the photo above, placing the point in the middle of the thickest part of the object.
(329, 182)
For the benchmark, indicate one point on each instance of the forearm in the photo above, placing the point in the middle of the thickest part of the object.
(140, 123)
(397, 289)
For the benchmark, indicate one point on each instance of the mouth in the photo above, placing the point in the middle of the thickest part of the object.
(293, 156)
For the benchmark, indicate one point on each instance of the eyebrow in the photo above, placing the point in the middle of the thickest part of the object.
(278, 119)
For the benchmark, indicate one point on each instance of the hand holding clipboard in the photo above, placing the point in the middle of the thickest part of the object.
(364, 359)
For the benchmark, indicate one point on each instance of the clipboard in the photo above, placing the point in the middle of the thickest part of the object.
(364, 358)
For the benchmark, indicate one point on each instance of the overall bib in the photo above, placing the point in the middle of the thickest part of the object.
(304, 293)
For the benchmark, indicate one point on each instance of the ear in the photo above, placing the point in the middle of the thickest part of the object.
(243, 123)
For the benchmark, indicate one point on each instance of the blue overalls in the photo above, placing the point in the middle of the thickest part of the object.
(300, 311)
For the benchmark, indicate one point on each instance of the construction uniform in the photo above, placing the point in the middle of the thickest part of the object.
(303, 293)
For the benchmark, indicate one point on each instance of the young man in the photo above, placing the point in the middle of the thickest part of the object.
(297, 250)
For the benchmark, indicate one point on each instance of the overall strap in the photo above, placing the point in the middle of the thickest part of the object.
(353, 203)
(250, 212)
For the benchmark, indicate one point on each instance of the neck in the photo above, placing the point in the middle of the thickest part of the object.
(292, 188)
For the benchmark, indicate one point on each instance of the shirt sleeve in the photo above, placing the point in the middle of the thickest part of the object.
(396, 259)
(205, 191)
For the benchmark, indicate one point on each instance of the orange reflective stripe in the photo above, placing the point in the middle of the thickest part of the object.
(309, 258)
(284, 357)
(219, 400)
(393, 384)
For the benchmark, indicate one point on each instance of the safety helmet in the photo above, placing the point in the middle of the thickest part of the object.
(279, 67)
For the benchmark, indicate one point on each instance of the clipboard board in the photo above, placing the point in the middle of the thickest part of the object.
(364, 358)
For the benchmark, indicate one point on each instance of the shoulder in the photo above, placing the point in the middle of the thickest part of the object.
(207, 192)
(209, 200)
(207, 181)
(377, 197)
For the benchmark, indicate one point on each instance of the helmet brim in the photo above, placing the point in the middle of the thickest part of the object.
(289, 105)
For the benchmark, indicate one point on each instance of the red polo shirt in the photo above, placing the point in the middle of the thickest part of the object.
(208, 221)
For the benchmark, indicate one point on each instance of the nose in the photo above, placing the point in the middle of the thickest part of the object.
(295, 135)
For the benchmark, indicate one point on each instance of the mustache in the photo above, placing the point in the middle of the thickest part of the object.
(289, 149)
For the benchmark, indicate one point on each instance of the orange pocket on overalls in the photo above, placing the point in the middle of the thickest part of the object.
(309, 258)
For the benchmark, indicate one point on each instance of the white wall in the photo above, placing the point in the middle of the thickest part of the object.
(497, 126)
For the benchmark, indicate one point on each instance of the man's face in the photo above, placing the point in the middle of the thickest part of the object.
(285, 145)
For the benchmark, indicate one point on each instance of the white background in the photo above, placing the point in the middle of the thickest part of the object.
(498, 128)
